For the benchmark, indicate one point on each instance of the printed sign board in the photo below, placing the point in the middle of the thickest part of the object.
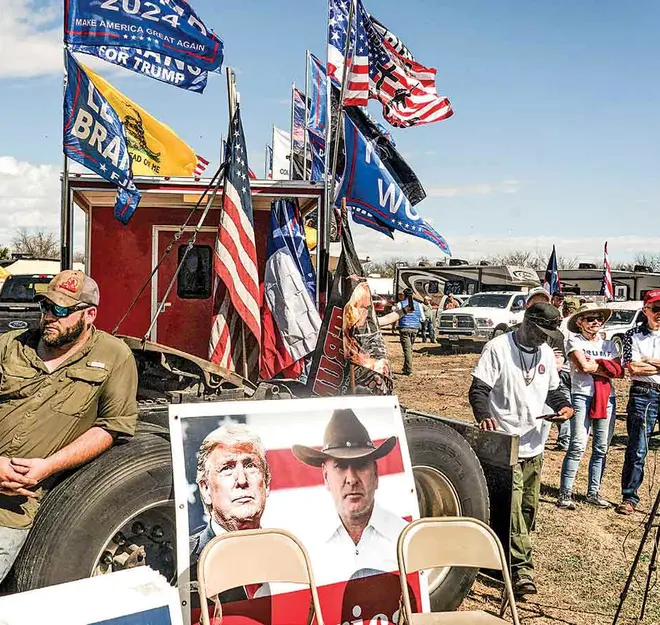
(314, 467)
(138, 596)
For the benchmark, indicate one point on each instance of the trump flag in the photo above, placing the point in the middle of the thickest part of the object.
(169, 27)
(368, 186)
(155, 148)
(94, 137)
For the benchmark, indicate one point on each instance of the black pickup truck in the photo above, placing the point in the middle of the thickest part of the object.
(18, 310)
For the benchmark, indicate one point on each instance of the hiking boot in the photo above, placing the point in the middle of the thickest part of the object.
(627, 508)
(524, 585)
(596, 500)
(565, 501)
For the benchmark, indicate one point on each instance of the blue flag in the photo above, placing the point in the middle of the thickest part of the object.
(94, 137)
(368, 185)
(318, 102)
(168, 27)
(294, 237)
(552, 284)
(365, 218)
(317, 146)
(151, 64)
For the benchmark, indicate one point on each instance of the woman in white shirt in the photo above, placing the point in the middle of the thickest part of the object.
(584, 347)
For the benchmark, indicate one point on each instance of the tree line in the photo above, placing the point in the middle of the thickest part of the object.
(35, 244)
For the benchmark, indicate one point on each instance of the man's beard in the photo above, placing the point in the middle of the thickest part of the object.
(68, 337)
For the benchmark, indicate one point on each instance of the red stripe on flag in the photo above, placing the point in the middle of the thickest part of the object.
(288, 472)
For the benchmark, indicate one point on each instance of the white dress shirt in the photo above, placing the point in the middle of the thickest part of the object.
(335, 557)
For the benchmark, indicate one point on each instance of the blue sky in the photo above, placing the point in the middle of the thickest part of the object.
(554, 137)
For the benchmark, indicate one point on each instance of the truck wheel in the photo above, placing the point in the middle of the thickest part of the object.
(117, 512)
(618, 343)
(449, 482)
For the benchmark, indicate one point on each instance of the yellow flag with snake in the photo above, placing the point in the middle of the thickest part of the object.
(154, 147)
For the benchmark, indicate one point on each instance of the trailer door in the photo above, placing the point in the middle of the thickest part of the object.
(185, 322)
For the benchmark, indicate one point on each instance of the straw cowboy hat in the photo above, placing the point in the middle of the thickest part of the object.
(589, 307)
(345, 438)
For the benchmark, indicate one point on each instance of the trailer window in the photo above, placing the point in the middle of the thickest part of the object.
(194, 281)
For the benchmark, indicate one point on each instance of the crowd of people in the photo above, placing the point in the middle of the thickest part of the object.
(557, 367)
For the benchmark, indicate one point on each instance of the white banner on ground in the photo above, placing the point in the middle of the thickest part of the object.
(138, 596)
(281, 154)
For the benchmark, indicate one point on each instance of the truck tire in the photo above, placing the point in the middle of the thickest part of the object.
(618, 343)
(450, 482)
(84, 512)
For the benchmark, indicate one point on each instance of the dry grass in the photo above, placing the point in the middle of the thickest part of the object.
(582, 557)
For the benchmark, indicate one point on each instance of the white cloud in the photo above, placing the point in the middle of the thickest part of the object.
(481, 188)
(30, 38)
(30, 198)
(477, 247)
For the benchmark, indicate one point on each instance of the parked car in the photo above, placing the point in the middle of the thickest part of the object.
(18, 310)
(625, 315)
(482, 317)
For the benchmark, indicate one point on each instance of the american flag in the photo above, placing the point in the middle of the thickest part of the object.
(357, 79)
(201, 166)
(404, 87)
(607, 288)
(237, 302)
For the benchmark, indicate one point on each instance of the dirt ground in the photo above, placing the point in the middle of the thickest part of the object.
(582, 557)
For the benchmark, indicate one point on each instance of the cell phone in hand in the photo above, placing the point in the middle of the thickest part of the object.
(549, 416)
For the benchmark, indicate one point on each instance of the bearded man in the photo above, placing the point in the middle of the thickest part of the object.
(67, 391)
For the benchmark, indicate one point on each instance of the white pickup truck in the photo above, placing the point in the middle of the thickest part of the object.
(482, 317)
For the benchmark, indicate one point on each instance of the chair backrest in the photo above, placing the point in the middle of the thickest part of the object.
(435, 542)
(251, 557)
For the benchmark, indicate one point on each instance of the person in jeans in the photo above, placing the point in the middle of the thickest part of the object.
(515, 378)
(409, 325)
(427, 328)
(641, 357)
(594, 361)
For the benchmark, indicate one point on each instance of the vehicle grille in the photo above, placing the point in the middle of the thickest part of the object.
(454, 322)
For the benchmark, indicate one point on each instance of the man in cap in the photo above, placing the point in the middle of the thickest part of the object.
(68, 391)
(641, 356)
(557, 300)
(516, 376)
(363, 536)
(409, 325)
(427, 328)
(233, 477)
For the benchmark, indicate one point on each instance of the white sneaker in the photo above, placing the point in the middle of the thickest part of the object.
(565, 501)
(596, 500)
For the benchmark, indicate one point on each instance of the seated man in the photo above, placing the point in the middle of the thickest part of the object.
(68, 390)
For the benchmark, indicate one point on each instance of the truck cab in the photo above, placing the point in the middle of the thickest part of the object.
(482, 317)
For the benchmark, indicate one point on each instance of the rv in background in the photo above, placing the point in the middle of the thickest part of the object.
(586, 280)
(464, 279)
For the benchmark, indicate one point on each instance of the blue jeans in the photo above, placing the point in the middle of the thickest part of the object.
(602, 430)
(427, 329)
(642, 410)
(11, 541)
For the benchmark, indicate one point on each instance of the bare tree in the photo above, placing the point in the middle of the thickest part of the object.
(78, 256)
(5, 253)
(40, 244)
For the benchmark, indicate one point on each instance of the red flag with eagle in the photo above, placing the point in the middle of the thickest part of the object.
(236, 330)
(607, 288)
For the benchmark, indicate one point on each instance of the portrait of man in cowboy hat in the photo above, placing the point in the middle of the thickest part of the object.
(362, 535)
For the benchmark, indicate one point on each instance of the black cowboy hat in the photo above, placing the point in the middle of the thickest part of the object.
(345, 438)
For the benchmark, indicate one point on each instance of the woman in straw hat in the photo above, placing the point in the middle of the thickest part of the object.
(594, 362)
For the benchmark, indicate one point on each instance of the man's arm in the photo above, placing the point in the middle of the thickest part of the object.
(644, 367)
(85, 448)
(478, 397)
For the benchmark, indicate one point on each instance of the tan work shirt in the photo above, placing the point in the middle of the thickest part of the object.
(41, 412)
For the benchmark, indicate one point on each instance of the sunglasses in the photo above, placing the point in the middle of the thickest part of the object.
(58, 311)
(654, 309)
(592, 318)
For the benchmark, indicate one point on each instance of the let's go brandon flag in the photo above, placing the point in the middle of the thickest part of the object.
(94, 137)
(169, 27)
(154, 147)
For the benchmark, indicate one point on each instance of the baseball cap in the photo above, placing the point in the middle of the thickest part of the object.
(539, 290)
(558, 294)
(546, 318)
(71, 287)
(652, 296)
(407, 291)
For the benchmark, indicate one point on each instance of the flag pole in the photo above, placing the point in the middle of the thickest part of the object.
(340, 112)
(305, 145)
(266, 162)
(66, 221)
(293, 121)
